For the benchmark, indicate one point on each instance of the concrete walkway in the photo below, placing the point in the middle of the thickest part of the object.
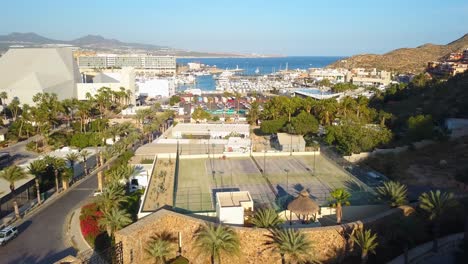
(74, 232)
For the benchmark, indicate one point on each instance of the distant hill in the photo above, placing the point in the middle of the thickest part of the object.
(404, 59)
(100, 44)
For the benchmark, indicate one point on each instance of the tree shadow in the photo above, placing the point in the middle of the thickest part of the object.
(26, 259)
(359, 194)
(283, 198)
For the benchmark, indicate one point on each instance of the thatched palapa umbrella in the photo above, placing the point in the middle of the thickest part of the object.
(302, 205)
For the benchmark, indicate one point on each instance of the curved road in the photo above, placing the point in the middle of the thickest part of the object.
(42, 237)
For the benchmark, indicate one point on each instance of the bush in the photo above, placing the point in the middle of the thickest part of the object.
(147, 161)
(420, 127)
(59, 139)
(462, 176)
(80, 140)
(89, 219)
(272, 126)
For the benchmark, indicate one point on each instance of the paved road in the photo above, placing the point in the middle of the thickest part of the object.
(18, 151)
(42, 237)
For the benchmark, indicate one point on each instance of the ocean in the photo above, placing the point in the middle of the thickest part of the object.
(250, 65)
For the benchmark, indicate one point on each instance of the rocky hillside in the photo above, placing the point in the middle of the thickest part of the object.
(405, 59)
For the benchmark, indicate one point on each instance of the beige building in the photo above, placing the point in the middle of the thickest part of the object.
(361, 77)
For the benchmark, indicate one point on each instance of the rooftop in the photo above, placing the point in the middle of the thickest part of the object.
(233, 199)
(286, 139)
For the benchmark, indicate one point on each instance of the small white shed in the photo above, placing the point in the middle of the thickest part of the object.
(230, 206)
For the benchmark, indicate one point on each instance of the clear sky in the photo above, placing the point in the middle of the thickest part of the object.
(287, 27)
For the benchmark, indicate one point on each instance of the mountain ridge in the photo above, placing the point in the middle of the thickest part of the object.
(99, 43)
(404, 60)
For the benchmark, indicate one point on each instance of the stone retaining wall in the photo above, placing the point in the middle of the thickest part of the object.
(328, 241)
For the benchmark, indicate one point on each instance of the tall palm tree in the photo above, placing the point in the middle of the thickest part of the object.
(58, 165)
(37, 168)
(367, 241)
(254, 113)
(291, 244)
(339, 198)
(217, 240)
(111, 197)
(394, 193)
(72, 157)
(266, 218)
(114, 220)
(436, 205)
(160, 246)
(13, 174)
(84, 155)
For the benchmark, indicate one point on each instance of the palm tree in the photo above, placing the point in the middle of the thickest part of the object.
(403, 232)
(367, 241)
(266, 218)
(111, 197)
(3, 96)
(58, 164)
(254, 113)
(290, 244)
(394, 193)
(217, 240)
(122, 172)
(84, 155)
(37, 168)
(436, 204)
(72, 157)
(13, 174)
(160, 246)
(114, 220)
(339, 198)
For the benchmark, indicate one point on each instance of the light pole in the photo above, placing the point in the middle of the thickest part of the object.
(287, 180)
(290, 146)
(315, 150)
(264, 158)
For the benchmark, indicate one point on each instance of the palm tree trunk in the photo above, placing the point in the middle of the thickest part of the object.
(283, 259)
(97, 157)
(56, 181)
(15, 205)
(38, 192)
(85, 167)
(465, 236)
(364, 257)
(64, 184)
(212, 259)
(405, 253)
(435, 232)
(339, 213)
(100, 180)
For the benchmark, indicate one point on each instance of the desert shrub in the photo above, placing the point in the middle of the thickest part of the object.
(147, 161)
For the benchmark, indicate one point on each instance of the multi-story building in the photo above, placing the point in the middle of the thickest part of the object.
(361, 77)
(156, 64)
(334, 75)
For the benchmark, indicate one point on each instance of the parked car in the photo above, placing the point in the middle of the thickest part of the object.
(7, 234)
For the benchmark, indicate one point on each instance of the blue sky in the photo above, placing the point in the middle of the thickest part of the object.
(264, 26)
